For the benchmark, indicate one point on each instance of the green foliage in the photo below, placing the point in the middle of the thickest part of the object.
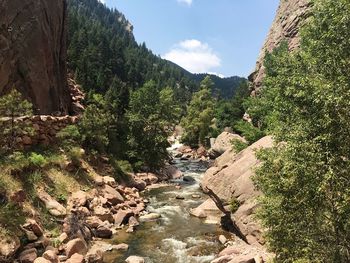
(37, 160)
(200, 113)
(94, 125)
(75, 154)
(150, 117)
(234, 204)
(229, 111)
(11, 216)
(238, 145)
(69, 136)
(248, 131)
(305, 105)
(13, 106)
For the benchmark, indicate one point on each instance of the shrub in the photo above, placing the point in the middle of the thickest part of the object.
(234, 204)
(248, 131)
(69, 136)
(37, 160)
(75, 154)
(238, 145)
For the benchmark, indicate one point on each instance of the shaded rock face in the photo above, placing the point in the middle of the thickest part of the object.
(289, 18)
(33, 52)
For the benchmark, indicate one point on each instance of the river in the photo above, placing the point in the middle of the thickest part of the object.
(177, 237)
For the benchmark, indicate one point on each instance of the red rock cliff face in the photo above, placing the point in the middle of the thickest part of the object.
(290, 16)
(33, 52)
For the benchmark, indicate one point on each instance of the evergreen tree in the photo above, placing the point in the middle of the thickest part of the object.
(200, 114)
(13, 106)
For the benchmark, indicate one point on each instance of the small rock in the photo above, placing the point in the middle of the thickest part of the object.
(63, 237)
(222, 239)
(110, 181)
(179, 197)
(188, 179)
(122, 217)
(54, 208)
(135, 259)
(149, 217)
(196, 196)
(103, 232)
(198, 212)
(133, 222)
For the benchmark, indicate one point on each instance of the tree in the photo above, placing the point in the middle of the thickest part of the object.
(13, 106)
(305, 106)
(151, 114)
(95, 124)
(200, 114)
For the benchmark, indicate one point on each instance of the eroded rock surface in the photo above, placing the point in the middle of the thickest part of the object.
(33, 52)
(289, 18)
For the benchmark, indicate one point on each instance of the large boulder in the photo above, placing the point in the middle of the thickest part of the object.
(33, 52)
(223, 143)
(28, 255)
(111, 195)
(232, 180)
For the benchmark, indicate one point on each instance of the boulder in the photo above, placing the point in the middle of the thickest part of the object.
(111, 194)
(109, 181)
(188, 179)
(149, 217)
(54, 208)
(103, 214)
(103, 231)
(75, 246)
(32, 226)
(28, 255)
(78, 199)
(76, 258)
(223, 143)
(51, 256)
(93, 221)
(135, 259)
(122, 217)
(42, 260)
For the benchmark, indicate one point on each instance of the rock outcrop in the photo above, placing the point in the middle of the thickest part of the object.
(223, 143)
(290, 16)
(33, 53)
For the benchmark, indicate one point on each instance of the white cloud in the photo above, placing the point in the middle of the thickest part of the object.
(217, 74)
(187, 2)
(194, 56)
(102, 1)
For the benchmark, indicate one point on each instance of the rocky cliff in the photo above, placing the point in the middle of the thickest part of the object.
(289, 18)
(33, 52)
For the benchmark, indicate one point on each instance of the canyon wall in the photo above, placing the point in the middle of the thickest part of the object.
(290, 16)
(33, 53)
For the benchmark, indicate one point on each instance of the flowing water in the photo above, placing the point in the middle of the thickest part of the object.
(176, 237)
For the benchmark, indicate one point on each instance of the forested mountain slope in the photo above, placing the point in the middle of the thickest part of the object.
(103, 53)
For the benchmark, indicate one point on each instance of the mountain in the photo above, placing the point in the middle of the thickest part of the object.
(102, 51)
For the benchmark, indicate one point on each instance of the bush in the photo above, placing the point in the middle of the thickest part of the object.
(69, 136)
(75, 154)
(238, 145)
(248, 131)
(234, 204)
(37, 160)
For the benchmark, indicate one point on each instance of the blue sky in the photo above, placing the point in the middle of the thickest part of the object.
(217, 36)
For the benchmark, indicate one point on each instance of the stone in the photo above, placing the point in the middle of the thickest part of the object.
(8, 247)
(133, 222)
(223, 143)
(77, 199)
(222, 239)
(35, 63)
(122, 217)
(111, 194)
(135, 259)
(180, 197)
(93, 221)
(188, 179)
(103, 232)
(76, 258)
(34, 227)
(103, 214)
(149, 217)
(76, 246)
(18, 197)
(28, 255)
(109, 181)
(51, 256)
(43, 260)
(63, 237)
(54, 208)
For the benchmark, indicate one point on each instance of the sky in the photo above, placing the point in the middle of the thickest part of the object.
(223, 37)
